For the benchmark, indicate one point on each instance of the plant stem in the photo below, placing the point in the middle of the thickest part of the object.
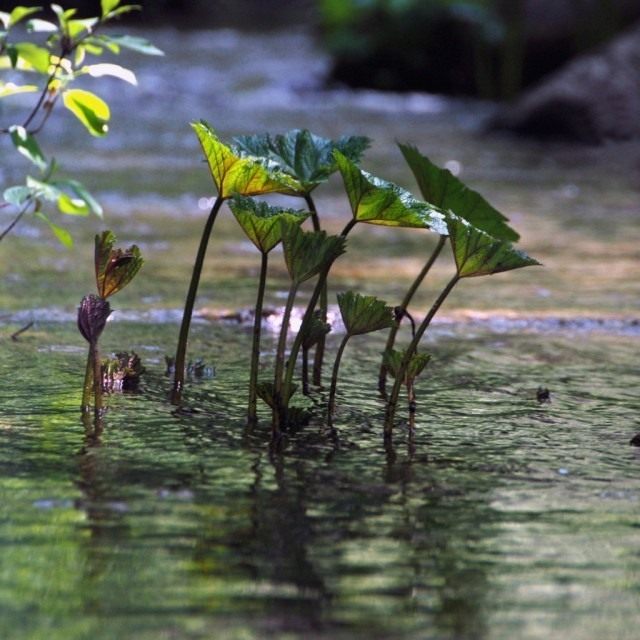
(280, 399)
(181, 351)
(87, 388)
(17, 219)
(382, 376)
(97, 381)
(297, 343)
(392, 401)
(331, 406)
(255, 349)
(323, 306)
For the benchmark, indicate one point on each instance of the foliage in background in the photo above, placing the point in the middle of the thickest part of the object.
(45, 57)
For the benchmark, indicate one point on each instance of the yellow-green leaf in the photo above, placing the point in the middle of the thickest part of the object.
(91, 110)
(10, 89)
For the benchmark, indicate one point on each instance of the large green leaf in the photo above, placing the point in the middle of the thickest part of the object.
(306, 157)
(20, 13)
(237, 174)
(108, 69)
(79, 195)
(31, 55)
(476, 253)
(91, 110)
(380, 202)
(443, 189)
(133, 43)
(307, 253)
(261, 222)
(363, 314)
(107, 6)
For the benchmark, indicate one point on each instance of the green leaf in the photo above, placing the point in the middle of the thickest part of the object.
(4, 19)
(43, 190)
(476, 253)
(301, 154)
(77, 28)
(91, 110)
(307, 253)
(261, 222)
(72, 206)
(115, 268)
(20, 13)
(10, 89)
(63, 236)
(363, 314)
(380, 202)
(112, 70)
(28, 146)
(80, 192)
(107, 6)
(266, 393)
(443, 189)
(393, 359)
(37, 25)
(314, 330)
(35, 57)
(127, 8)
(134, 43)
(18, 195)
(234, 174)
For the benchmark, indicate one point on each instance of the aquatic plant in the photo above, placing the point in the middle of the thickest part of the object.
(114, 270)
(48, 70)
(360, 314)
(294, 164)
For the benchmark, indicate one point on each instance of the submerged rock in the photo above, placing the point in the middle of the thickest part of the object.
(594, 98)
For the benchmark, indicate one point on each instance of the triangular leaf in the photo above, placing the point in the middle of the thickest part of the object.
(108, 5)
(476, 253)
(306, 157)
(36, 25)
(115, 268)
(91, 110)
(393, 359)
(20, 13)
(380, 202)
(35, 57)
(261, 222)
(314, 330)
(307, 253)
(236, 174)
(363, 314)
(441, 188)
(80, 192)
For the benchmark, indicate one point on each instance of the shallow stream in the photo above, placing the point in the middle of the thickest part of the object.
(505, 517)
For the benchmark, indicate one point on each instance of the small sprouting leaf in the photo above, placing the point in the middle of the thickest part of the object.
(266, 393)
(115, 268)
(363, 314)
(28, 146)
(112, 70)
(443, 189)
(10, 89)
(63, 236)
(134, 43)
(392, 360)
(92, 111)
(20, 13)
(307, 253)
(92, 317)
(306, 157)
(261, 222)
(33, 56)
(380, 202)
(234, 174)
(476, 253)
(72, 206)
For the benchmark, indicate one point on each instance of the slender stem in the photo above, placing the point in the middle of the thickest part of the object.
(181, 351)
(323, 306)
(306, 319)
(331, 406)
(280, 399)
(392, 401)
(305, 371)
(97, 381)
(255, 349)
(87, 388)
(391, 340)
(17, 219)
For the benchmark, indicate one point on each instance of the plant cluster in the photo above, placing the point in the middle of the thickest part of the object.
(54, 55)
(294, 164)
